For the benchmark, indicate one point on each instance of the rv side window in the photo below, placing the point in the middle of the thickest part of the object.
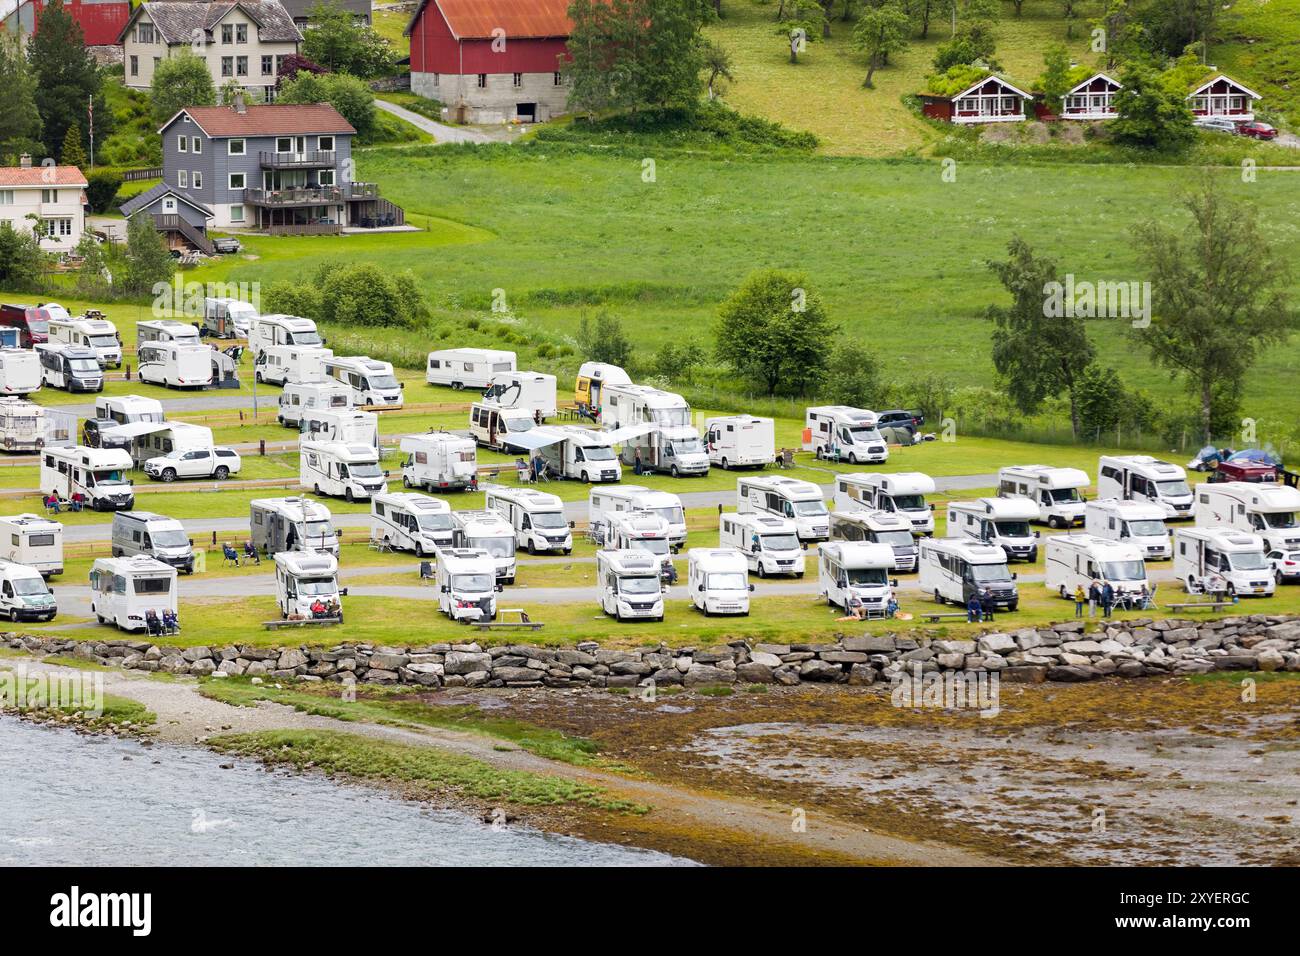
(379, 509)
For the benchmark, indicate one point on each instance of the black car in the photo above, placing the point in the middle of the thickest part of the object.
(897, 417)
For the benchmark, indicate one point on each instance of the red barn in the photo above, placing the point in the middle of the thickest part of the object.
(491, 61)
(101, 20)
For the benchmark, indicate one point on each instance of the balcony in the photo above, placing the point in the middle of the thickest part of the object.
(312, 159)
(310, 195)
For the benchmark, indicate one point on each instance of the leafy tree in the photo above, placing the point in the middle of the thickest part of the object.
(1105, 404)
(921, 13)
(881, 31)
(1149, 115)
(72, 153)
(101, 189)
(340, 44)
(677, 363)
(229, 90)
(296, 63)
(604, 340)
(718, 62)
(1173, 25)
(800, 22)
(973, 44)
(148, 262)
(92, 280)
(22, 262)
(20, 123)
(852, 376)
(1069, 13)
(291, 298)
(66, 78)
(347, 94)
(775, 331)
(180, 81)
(1124, 37)
(1055, 81)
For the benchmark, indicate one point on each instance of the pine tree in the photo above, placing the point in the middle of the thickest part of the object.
(66, 78)
(20, 123)
(148, 262)
(72, 153)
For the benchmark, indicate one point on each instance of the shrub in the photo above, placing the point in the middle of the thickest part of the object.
(101, 189)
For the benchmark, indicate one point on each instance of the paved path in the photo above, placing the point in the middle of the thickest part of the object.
(441, 132)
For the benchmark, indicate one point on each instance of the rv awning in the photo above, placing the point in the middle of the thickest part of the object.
(630, 431)
(533, 439)
(136, 429)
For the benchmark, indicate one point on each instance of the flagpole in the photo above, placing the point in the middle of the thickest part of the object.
(90, 109)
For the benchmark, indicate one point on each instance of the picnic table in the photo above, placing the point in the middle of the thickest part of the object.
(936, 616)
(302, 622)
(523, 621)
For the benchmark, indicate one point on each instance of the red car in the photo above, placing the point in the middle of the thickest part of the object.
(1257, 130)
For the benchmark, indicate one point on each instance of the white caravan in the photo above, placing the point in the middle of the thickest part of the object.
(280, 329)
(628, 585)
(1000, 521)
(853, 574)
(439, 461)
(571, 451)
(175, 364)
(607, 501)
(34, 541)
(157, 536)
(740, 441)
(533, 392)
(844, 433)
(1074, 560)
(1056, 491)
(165, 331)
(1133, 522)
(299, 397)
(589, 390)
(1263, 508)
(304, 577)
(955, 569)
(99, 474)
(347, 425)
(91, 331)
(467, 368)
(372, 381)
(640, 531)
(340, 469)
(20, 372)
(800, 501)
(1202, 554)
(129, 409)
(228, 318)
(718, 579)
(901, 492)
(152, 439)
(124, 590)
(673, 446)
(72, 368)
(878, 527)
(467, 588)
(22, 424)
(24, 595)
(1143, 478)
(770, 544)
(495, 427)
(411, 522)
(487, 531)
(278, 364)
(537, 517)
(291, 524)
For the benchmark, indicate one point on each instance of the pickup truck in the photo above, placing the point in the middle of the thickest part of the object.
(218, 463)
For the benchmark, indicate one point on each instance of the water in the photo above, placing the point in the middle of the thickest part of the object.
(68, 799)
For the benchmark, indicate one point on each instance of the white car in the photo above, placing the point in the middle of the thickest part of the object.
(218, 463)
(1285, 565)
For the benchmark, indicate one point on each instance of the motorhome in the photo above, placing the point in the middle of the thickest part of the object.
(1058, 492)
(466, 582)
(98, 474)
(228, 318)
(22, 425)
(800, 501)
(304, 578)
(855, 574)
(487, 531)
(279, 329)
(348, 425)
(372, 381)
(640, 531)
(533, 392)
(175, 364)
(537, 517)
(34, 541)
(9, 338)
(1143, 478)
(1268, 510)
(1133, 522)
(298, 397)
(606, 501)
(673, 446)
(901, 493)
(291, 524)
(740, 441)
(1076, 560)
(159, 537)
(770, 544)
(718, 580)
(24, 595)
(628, 583)
(878, 527)
(123, 591)
(278, 364)
(494, 427)
(155, 439)
(92, 331)
(1203, 556)
(341, 469)
(408, 521)
(439, 461)
(129, 409)
(1000, 521)
(166, 332)
(844, 433)
(589, 390)
(20, 372)
(571, 451)
(467, 368)
(31, 321)
(957, 569)
(72, 368)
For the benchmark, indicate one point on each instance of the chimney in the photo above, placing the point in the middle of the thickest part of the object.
(25, 160)
(240, 106)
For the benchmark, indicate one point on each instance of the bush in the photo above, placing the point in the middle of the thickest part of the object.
(604, 340)
(710, 125)
(291, 298)
(367, 294)
(101, 189)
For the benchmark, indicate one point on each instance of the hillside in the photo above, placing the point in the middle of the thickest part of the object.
(1262, 48)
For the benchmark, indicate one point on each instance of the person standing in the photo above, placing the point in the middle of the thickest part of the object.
(1094, 597)
(1107, 599)
(1080, 598)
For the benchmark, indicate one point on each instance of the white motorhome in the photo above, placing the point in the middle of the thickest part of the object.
(770, 544)
(99, 474)
(291, 524)
(487, 531)
(24, 595)
(175, 364)
(157, 536)
(878, 527)
(1133, 522)
(20, 372)
(34, 541)
(628, 585)
(853, 574)
(800, 501)
(129, 409)
(1075, 560)
(346, 425)
(1058, 492)
(497, 428)
(1000, 521)
(279, 329)
(304, 577)
(411, 522)
(673, 446)
(228, 318)
(901, 493)
(166, 332)
(844, 433)
(608, 500)
(299, 397)
(589, 390)
(955, 569)
(91, 331)
(278, 364)
(537, 517)
(124, 590)
(372, 381)
(467, 588)
(571, 451)
(718, 579)
(640, 531)
(439, 460)
(22, 424)
(340, 469)
(1202, 555)
(1263, 508)
(533, 392)
(1143, 478)
(73, 368)
(467, 368)
(740, 441)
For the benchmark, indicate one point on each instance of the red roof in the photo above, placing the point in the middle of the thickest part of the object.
(41, 176)
(518, 19)
(267, 119)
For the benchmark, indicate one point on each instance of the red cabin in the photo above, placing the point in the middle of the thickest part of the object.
(100, 20)
(991, 100)
(1223, 97)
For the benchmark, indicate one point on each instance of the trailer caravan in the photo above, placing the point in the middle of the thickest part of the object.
(608, 500)
(305, 578)
(1266, 509)
(487, 531)
(589, 390)
(157, 536)
(72, 368)
(467, 368)
(467, 588)
(154, 439)
(844, 433)
(800, 501)
(495, 427)
(165, 332)
(770, 544)
(228, 318)
(533, 392)
(22, 425)
(1076, 560)
(34, 541)
(129, 409)
(1056, 491)
(291, 524)
(672, 446)
(299, 397)
(740, 441)
(439, 461)
(407, 521)
(1205, 556)
(175, 364)
(956, 569)
(341, 469)
(278, 329)
(878, 527)
(571, 451)
(350, 425)
(372, 381)
(855, 574)
(92, 331)
(901, 493)
(125, 592)
(97, 474)
(1000, 521)
(1133, 522)
(537, 517)
(718, 580)
(280, 364)
(20, 372)
(24, 595)
(1143, 478)
(628, 583)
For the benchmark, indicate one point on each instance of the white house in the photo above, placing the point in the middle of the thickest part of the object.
(1223, 97)
(1093, 99)
(50, 200)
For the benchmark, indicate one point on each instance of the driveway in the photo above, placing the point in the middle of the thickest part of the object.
(441, 132)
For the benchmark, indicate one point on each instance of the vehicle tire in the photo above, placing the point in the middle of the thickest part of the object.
(673, 471)
(725, 465)
(1064, 596)
(762, 571)
(169, 474)
(586, 479)
(406, 482)
(222, 473)
(347, 495)
(257, 376)
(1052, 522)
(1232, 590)
(457, 386)
(938, 598)
(101, 619)
(618, 615)
(117, 552)
(1191, 584)
(280, 419)
(1277, 578)
(798, 574)
(531, 547)
(1013, 606)
(13, 614)
(316, 490)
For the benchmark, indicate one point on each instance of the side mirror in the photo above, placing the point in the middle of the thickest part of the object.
(1014, 576)
(931, 506)
(445, 589)
(893, 583)
(385, 472)
(700, 589)
(343, 593)
(751, 589)
(401, 385)
(803, 545)
(1038, 534)
(500, 588)
(572, 525)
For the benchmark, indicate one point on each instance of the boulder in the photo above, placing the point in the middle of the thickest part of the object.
(1070, 673)
(199, 653)
(290, 658)
(707, 674)
(466, 662)
(1024, 674)
(996, 643)
(816, 670)
(765, 658)
(385, 662)
(1271, 660)
(870, 644)
(754, 672)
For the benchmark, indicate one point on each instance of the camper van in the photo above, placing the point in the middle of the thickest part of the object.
(34, 541)
(1143, 478)
(340, 469)
(91, 331)
(467, 588)
(800, 501)
(1268, 510)
(878, 527)
(581, 453)
(853, 574)
(304, 577)
(24, 595)
(606, 501)
(955, 569)
(298, 397)
(901, 493)
(843, 433)
(411, 522)
(673, 446)
(740, 441)
(467, 368)
(487, 531)
(640, 531)
(175, 364)
(228, 318)
(31, 321)
(20, 372)
(1056, 491)
(770, 544)
(347, 425)
(73, 368)
(1076, 560)
(533, 392)
(1235, 556)
(629, 586)
(537, 517)
(1000, 521)
(291, 524)
(22, 425)
(589, 391)
(439, 461)
(97, 473)
(1132, 522)
(278, 364)
(718, 579)
(372, 381)
(166, 332)
(124, 590)
(159, 537)
(493, 427)
(278, 329)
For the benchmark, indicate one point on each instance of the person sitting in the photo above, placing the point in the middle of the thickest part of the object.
(151, 623)
(891, 609)
(318, 609)
(250, 553)
(170, 622)
(229, 554)
(52, 504)
(974, 611)
(670, 573)
(78, 501)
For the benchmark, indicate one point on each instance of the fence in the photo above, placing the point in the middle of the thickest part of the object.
(137, 175)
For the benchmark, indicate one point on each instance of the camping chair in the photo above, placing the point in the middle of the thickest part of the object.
(170, 622)
(523, 472)
(786, 459)
(250, 553)
(152, 624)
(229, 556)
(426, 572)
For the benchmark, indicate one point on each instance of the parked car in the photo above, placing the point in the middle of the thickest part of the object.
(219, 463)
(1216, 125)
(1257, 130)
(93, 434)
(227, 245)
(898, 416)
(1285, 565)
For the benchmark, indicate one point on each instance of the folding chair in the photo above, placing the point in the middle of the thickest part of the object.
(229, 556)
(426, 572)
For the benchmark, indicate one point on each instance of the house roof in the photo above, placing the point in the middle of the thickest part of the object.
(1219, 76)
(301, 9)
(153, 194)
(519, 19)
(1097, 76)
(996, 79)
(177, 20)
(266, 119)
(41, 176)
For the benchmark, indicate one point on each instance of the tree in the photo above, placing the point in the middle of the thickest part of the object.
(148, 262)
(66, 78)
(1219, 294)
(718, 62)
(1149, 115)
(180, 81)
(973, 44)
(22, 263)
(1055, 81)
(296, 63)
(1036, 355)
(20, 123)
(72, 153)
(92, 274)
(677, 363)
(852, 377)
(347, 94)
(340, 44)
(881, 31)
(1069, 13)
(775, 331)
(604, 340)
(800, 21)
(101, 189)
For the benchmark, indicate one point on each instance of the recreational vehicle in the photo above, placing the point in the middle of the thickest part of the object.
(1143, 478)
(467, 588)
(24, 595)
(957, 569)
(718, 579)
(571, 451)
(1268, 510)
(20, 372)
(537, 517)
(439, 461)
(770, 544)
(347, 425)
(878, 527)
(494, 427)
(673, 446)
(34, 541)
(154, 439)
(467, 368)
(278, 364)
(1076, 560)
(628, 585)
(278, 329)
(1000, 521)
(97, 474)
(157, 536)
(123, 591)
(843, 433)
(91, 331)
(175, 364)
(1133, 522)
(340, 469)
(606, 501)
(72, 368)
(1204, 556)
(855, 574)
(487, 531)
(740, 441)
(228, 318)
(166, 332)
(298, 397)
(900, 493)
(22, 424)
(534, 392)
(31, 321)
(411, 522)
(593, 378)
(129, 409)
(640, 531)
(800, 501)
(291, 524)
(303, 578)
(1056, 491)
(372, 381)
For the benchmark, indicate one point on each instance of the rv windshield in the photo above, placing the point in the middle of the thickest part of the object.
(653, 545)
(1063, 496)
(686, 446)
(598, 452)
(169, 539)
(727, 581)
(672, 514)
(383, 381)
(112, 476)
(83, 365)
(896, 539)
(862, 434)
(809, 508)
(365, 470)
(672, 416)
(647, 585)
(317, 587)
(28, 587)
(318, 529)
(1278, 519)
(472, 583)
(518, 423)
(1012, 529)
(909, 502)
(1248, 561)
(867, 576)
(304, 338)
(152, 585)
(551, 520)
(38, 321)
(439, 521)
(1153, 528)
(780, 542)
(497, 547)
(102, 341)
(989, 573)
(1173, 489)
(1123, 571)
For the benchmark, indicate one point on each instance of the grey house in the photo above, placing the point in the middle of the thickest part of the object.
(177, 216)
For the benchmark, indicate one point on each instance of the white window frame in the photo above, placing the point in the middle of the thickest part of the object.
(320, 144)
(321, 177)
(196, 145)
(196, 177)
(230, 147)
(182, 144)
(183, 178)
(243, 181)
(240, 217)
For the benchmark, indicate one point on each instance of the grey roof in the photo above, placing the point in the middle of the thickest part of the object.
(301, 9)
(147, 198)
(177, 20)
